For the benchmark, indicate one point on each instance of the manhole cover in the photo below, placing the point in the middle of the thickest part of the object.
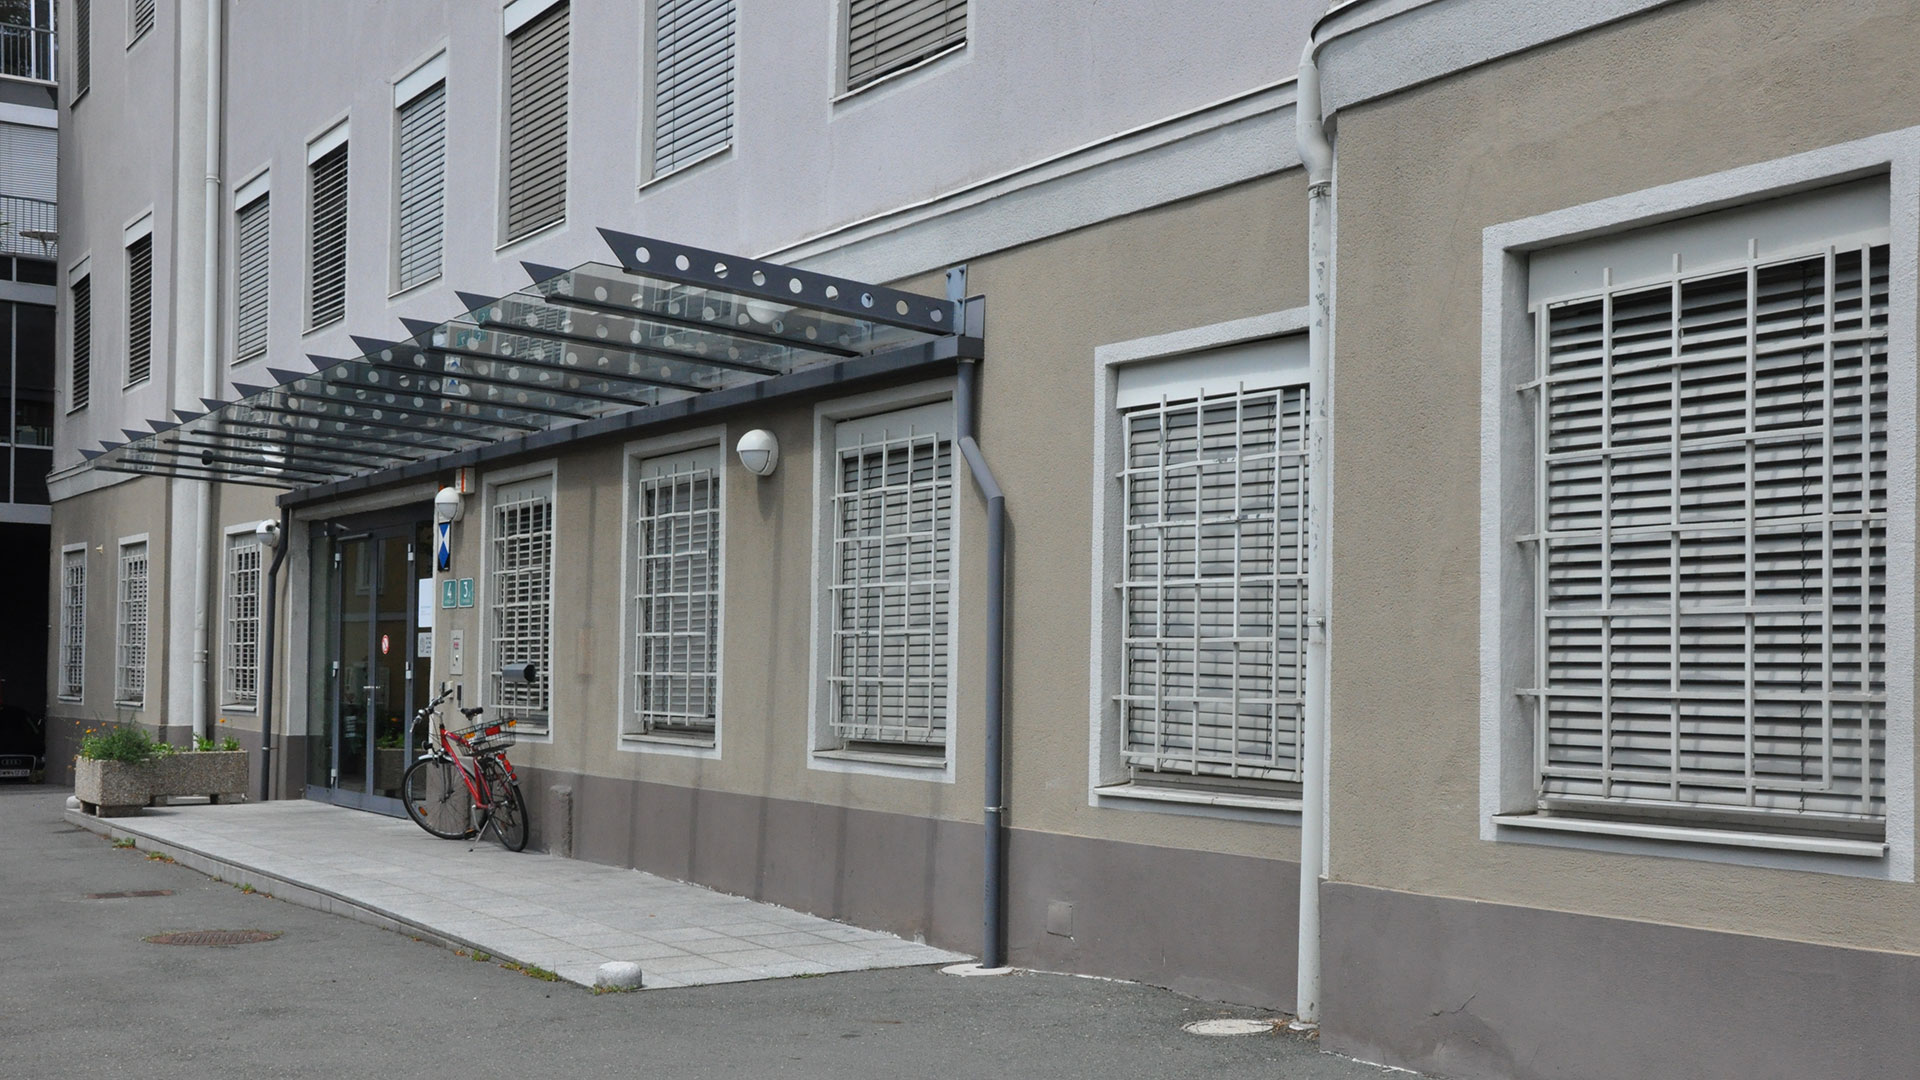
(213, 937)
(125, 895)
(1228, 1026)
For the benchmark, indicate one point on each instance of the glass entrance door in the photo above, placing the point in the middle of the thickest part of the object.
(375, 678)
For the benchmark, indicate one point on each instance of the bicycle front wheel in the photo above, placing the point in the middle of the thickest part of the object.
(436, 797)
(509, 813)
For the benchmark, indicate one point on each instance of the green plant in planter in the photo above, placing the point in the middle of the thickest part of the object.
(203, 742)
(229, 743)
(129, 744)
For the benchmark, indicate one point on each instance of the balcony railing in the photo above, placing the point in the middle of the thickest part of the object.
(27, 52)
(27, 227)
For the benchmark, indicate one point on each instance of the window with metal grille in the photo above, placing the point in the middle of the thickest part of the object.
(892, 570)
(130, 670)
(884, 36)
(676, 596)
(1710, 543)
(520, 599)
(73, 623)
(250, 279)
(140, 310)
(423, 142)
(242, 638)
(692, 81)
(537, 122)
(139, 18)
(80, 388)
(82, 45)
(1213, 590)
(327, 241)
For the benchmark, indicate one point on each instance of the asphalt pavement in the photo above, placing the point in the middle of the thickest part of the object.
(85, 995)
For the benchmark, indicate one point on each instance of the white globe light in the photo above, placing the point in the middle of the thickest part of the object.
(759, 452)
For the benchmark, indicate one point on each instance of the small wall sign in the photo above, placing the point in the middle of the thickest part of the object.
(466, 592)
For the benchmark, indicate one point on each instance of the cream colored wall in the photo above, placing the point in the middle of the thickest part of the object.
(1692, 89)
(1230, 255)
(99, 519)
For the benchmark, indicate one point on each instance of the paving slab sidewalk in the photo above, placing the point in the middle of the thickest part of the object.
(560, 914)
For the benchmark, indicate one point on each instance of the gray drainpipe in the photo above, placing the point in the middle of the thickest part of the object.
(268, 604)
(993, 953)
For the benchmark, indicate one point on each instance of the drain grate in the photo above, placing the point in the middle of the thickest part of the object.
(212, 937)
(125, 895)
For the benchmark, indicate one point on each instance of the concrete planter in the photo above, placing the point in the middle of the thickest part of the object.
(388, 767)
(219, 774)
(110, 788)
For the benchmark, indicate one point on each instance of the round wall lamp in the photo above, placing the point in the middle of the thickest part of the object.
(447, 505)
(759, 452)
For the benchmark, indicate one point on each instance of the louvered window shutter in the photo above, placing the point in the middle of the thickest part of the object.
(327, 249)
(886, 35)
(423, 140)
(893, 526)
(139, 310)
(81, 390)
(693, 81)
(1712, 619)
(82, 45)
(250, 279)
(1214, 594)
(142, 17)
(537, 123)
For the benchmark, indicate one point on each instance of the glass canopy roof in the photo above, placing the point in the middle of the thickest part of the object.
(661, 323)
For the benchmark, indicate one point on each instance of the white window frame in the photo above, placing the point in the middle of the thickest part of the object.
(237, 539)
(637, 455)
(141, 228)
(123, 624)
(81, 271)
(513, 17)
(72, 670)
(1108, 780)
(483, 600)
(418, 81)
(258, 187)
(135, 31)
(335, 135)
(1507, 769)
(824, 749)
(650, 170)
(842, 34)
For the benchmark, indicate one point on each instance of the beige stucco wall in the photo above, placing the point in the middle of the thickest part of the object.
(1226, 256)
(1691, 89)
(100, 519)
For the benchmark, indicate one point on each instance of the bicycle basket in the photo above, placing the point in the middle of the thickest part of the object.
(487, 735)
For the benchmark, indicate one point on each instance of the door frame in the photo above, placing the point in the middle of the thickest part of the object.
(413, 523)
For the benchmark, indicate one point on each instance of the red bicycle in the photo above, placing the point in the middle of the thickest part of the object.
(464, 785)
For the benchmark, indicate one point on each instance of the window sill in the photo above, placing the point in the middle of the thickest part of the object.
(406, 290)
(880, 757)
(1812, 845)
(530, 235)
(706, 746)
(661, 176)
(897, 74)
(1125, 794)
(248, 709)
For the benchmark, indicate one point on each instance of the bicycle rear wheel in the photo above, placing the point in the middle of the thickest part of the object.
(437, 799)
(509, 809)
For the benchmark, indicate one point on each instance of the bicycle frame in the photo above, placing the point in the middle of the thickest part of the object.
(449, 745)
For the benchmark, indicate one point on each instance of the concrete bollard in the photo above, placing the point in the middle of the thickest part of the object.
(618, 975)
(559, 821)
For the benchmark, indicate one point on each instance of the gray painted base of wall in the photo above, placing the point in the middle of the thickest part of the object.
(1213, 926)
(1465, 988)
